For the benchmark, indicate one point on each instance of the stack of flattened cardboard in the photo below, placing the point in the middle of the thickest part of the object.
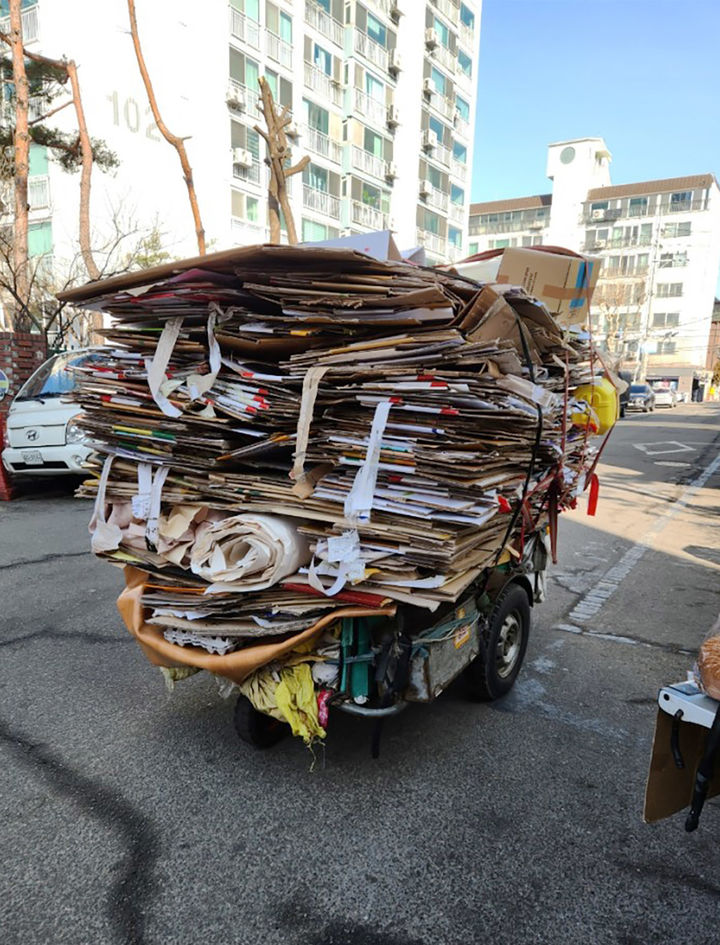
(283, 430)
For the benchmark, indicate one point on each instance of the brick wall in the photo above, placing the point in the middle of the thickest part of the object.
(21, 352)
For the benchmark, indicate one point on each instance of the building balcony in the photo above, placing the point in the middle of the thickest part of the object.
(448, 9)
(244, 29)
(245, 233)
(441, 154)
(458, 169)
(685, 206)
(432, 242)
(457, 213)
(38, 193)
(388, 7)
(321, 202)
(365, 161)
(243, 99)
(444, 106)
(30, 24)
(251, 175)
(617, 273)
(508, 226)
(467, 36)
(316, 17)
(370, 217)
(463, 79)
(278, 49)
(371, 50)
(445, 57)
(321, 83)
(437, 199)
(462, 127)
(595, 245)
(370, 108)
(321, 144)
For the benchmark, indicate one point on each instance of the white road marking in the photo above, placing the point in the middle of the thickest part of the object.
(674, 447)
(670, 462)
(595, 599)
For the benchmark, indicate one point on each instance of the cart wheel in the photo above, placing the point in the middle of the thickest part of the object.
(256, 728)
(493, 674)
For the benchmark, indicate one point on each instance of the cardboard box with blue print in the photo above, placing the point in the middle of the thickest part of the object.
(563, 283)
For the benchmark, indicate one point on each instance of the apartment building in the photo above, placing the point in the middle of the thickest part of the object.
(659, 242)
(381, 92)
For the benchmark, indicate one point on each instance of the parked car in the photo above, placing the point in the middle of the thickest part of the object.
(42, 437)
(624, 398)
(665, 397)
(642, 397)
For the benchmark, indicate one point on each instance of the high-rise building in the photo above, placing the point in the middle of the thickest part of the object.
(382, 95)
(659, 242)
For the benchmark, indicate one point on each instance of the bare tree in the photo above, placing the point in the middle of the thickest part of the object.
(174, 140)
(21, 166)
(619, 304)
(278, 159)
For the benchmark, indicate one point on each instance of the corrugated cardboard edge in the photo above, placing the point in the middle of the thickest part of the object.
(236, 666)
(669, 789)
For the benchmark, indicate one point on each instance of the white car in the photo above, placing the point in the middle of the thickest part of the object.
(665, 397)
(42, 437)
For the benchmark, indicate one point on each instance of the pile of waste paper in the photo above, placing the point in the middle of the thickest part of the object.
(282, 431)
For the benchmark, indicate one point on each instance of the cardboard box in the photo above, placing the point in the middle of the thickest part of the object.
(564, 284)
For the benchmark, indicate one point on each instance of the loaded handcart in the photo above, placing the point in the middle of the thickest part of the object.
(334, 481)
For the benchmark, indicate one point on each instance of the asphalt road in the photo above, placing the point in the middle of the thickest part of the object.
(133, 815)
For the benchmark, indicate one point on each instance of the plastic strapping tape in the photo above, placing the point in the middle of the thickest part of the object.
(104, 537)
(157, 365)
(141, 501)
(199, 384)
(153, 519)
(311, 382)
(358, 503)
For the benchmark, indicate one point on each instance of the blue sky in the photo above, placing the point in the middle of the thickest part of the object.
(642, 74)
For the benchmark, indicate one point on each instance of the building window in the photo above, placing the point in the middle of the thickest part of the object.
(374, 88)
(473, 248)
(316, 177)
(465, 62)
(467, 17)
(670, 260)
(666, 320)
(322, 59)
(457, 195)
(442, 31)
(638, 206)
(313, 232)
(682, 200)
(39, 239)
(374, 143)
(437, 126)
(376, 31)
(371, 196)
(499, 244)
(459, 152)
(455, 237)
(438, 80)
(669, 290)
(666, 347)
(600, 205)
(315, 117)
(325, 4)
(252, 208)
(463, 108)
(671, 230)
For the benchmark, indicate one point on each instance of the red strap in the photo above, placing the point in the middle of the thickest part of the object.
(594, 493)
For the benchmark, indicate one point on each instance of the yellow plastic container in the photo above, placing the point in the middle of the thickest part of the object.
(603, 398)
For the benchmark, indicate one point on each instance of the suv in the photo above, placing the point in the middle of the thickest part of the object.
(641, 398)
(42, 437)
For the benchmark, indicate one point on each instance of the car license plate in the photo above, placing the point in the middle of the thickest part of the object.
(32, 457)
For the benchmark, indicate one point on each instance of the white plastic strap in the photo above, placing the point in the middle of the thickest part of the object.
(141, 501)
(199, 384)
(358, 503)
(311, 382)
(157, 365)
(104, 537)
(153, 519)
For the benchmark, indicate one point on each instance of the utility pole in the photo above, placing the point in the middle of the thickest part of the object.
(278, 160)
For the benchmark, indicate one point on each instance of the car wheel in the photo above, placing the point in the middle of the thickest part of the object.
(492, 674)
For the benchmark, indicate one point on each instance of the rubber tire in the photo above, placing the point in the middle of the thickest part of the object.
(483, 681)
(255, 728)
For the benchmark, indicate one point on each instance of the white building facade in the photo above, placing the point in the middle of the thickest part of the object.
(382, 95)
(659, 242)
